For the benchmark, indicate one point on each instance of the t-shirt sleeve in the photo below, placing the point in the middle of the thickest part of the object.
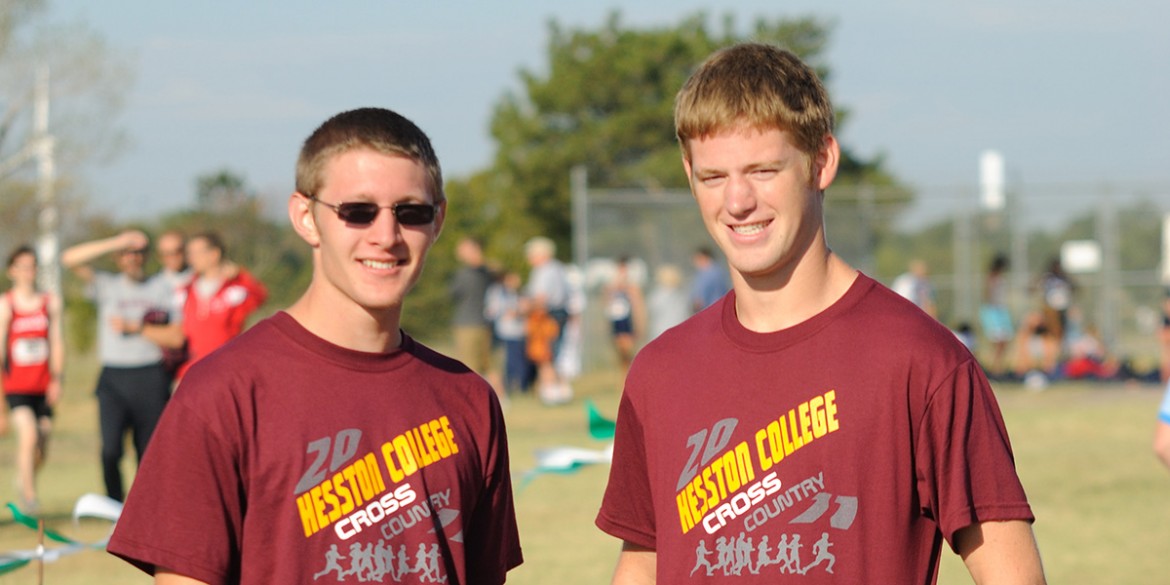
(183, 512)
(627, 510)
(493, 541)
(966, 470)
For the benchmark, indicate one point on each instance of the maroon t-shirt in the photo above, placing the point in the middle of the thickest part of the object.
(840, 450)
(286, 459)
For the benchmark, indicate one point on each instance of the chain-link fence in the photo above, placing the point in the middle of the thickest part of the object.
(1110, 238)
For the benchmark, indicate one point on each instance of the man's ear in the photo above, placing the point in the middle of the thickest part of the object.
(827, 161)
(300, 214)
(687, 169)
(439, 217)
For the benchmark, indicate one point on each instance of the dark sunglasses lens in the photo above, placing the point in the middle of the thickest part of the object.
(357, 213)
(414, 213)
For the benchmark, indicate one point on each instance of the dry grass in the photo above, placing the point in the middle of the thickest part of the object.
(1083, 451)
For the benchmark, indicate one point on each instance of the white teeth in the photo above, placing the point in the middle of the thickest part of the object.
(748, 230)
(379, 265)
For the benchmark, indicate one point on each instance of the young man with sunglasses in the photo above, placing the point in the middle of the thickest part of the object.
(133, 387)
(811, 426)
(324, 444)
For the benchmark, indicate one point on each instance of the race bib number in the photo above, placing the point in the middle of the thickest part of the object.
(30, 351)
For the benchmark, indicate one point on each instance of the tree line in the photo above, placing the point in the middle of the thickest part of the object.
(603, 99)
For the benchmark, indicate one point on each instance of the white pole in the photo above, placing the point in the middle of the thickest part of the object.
(991, 180)
(47, 241)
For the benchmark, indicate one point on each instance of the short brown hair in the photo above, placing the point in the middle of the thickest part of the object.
(21, 251)
(759, 86)
(377, 129)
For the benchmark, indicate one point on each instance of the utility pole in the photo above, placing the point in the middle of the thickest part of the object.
(40, 147)
(48, 221)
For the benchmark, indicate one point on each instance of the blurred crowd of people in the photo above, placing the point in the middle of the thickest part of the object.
(1050, 340)
(150, 329)
(526, 336)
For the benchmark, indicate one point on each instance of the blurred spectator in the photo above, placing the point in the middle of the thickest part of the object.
(32, 361)
(217, 301)
(710, 282)
(503, 307)
(966, 335)
(1029, 346)
(568, 360)
(667, 303)
(1056, 296)
(1162, 431)
(914, 284)
(171, 249)
(172, 256)
(626, 310)
(548, 297)
(133, 387)
(995, 316)
(1087, 357)
(468, 289)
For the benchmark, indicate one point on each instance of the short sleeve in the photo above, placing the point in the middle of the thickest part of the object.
(965, 467)
(493, 542)
(627, 510)
(188, 476)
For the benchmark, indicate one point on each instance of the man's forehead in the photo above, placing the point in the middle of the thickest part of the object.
(759, 139)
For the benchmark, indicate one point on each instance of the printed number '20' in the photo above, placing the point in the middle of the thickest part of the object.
(708, 446)
(337, 450)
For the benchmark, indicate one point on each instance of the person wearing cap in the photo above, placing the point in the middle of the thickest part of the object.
(812, 426)
(133, 387)
(325, 444)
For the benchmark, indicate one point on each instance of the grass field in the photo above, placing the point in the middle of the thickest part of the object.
(1102, 500)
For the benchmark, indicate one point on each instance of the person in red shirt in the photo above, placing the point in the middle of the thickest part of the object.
(33, 356)
(216, 301)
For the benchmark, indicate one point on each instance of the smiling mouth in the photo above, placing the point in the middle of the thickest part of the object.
(375, 264)
(749, 229)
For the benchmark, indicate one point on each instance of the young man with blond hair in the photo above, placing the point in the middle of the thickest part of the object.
(811, 426)
(324, 444)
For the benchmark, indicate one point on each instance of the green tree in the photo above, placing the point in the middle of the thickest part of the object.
(606, 101)
(263, 243)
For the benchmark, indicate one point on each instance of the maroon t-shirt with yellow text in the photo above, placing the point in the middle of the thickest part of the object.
(841, 450)
(283, 458)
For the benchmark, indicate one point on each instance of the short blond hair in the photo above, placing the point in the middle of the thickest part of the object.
(758, 86)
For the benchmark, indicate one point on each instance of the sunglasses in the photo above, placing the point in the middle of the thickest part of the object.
(364, 213)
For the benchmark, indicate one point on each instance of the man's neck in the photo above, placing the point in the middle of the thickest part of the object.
(778, 302)
(347, 324)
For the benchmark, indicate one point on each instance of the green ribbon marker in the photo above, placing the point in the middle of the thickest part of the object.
(31, 522)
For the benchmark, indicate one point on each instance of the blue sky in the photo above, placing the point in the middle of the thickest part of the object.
(1070, 91)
